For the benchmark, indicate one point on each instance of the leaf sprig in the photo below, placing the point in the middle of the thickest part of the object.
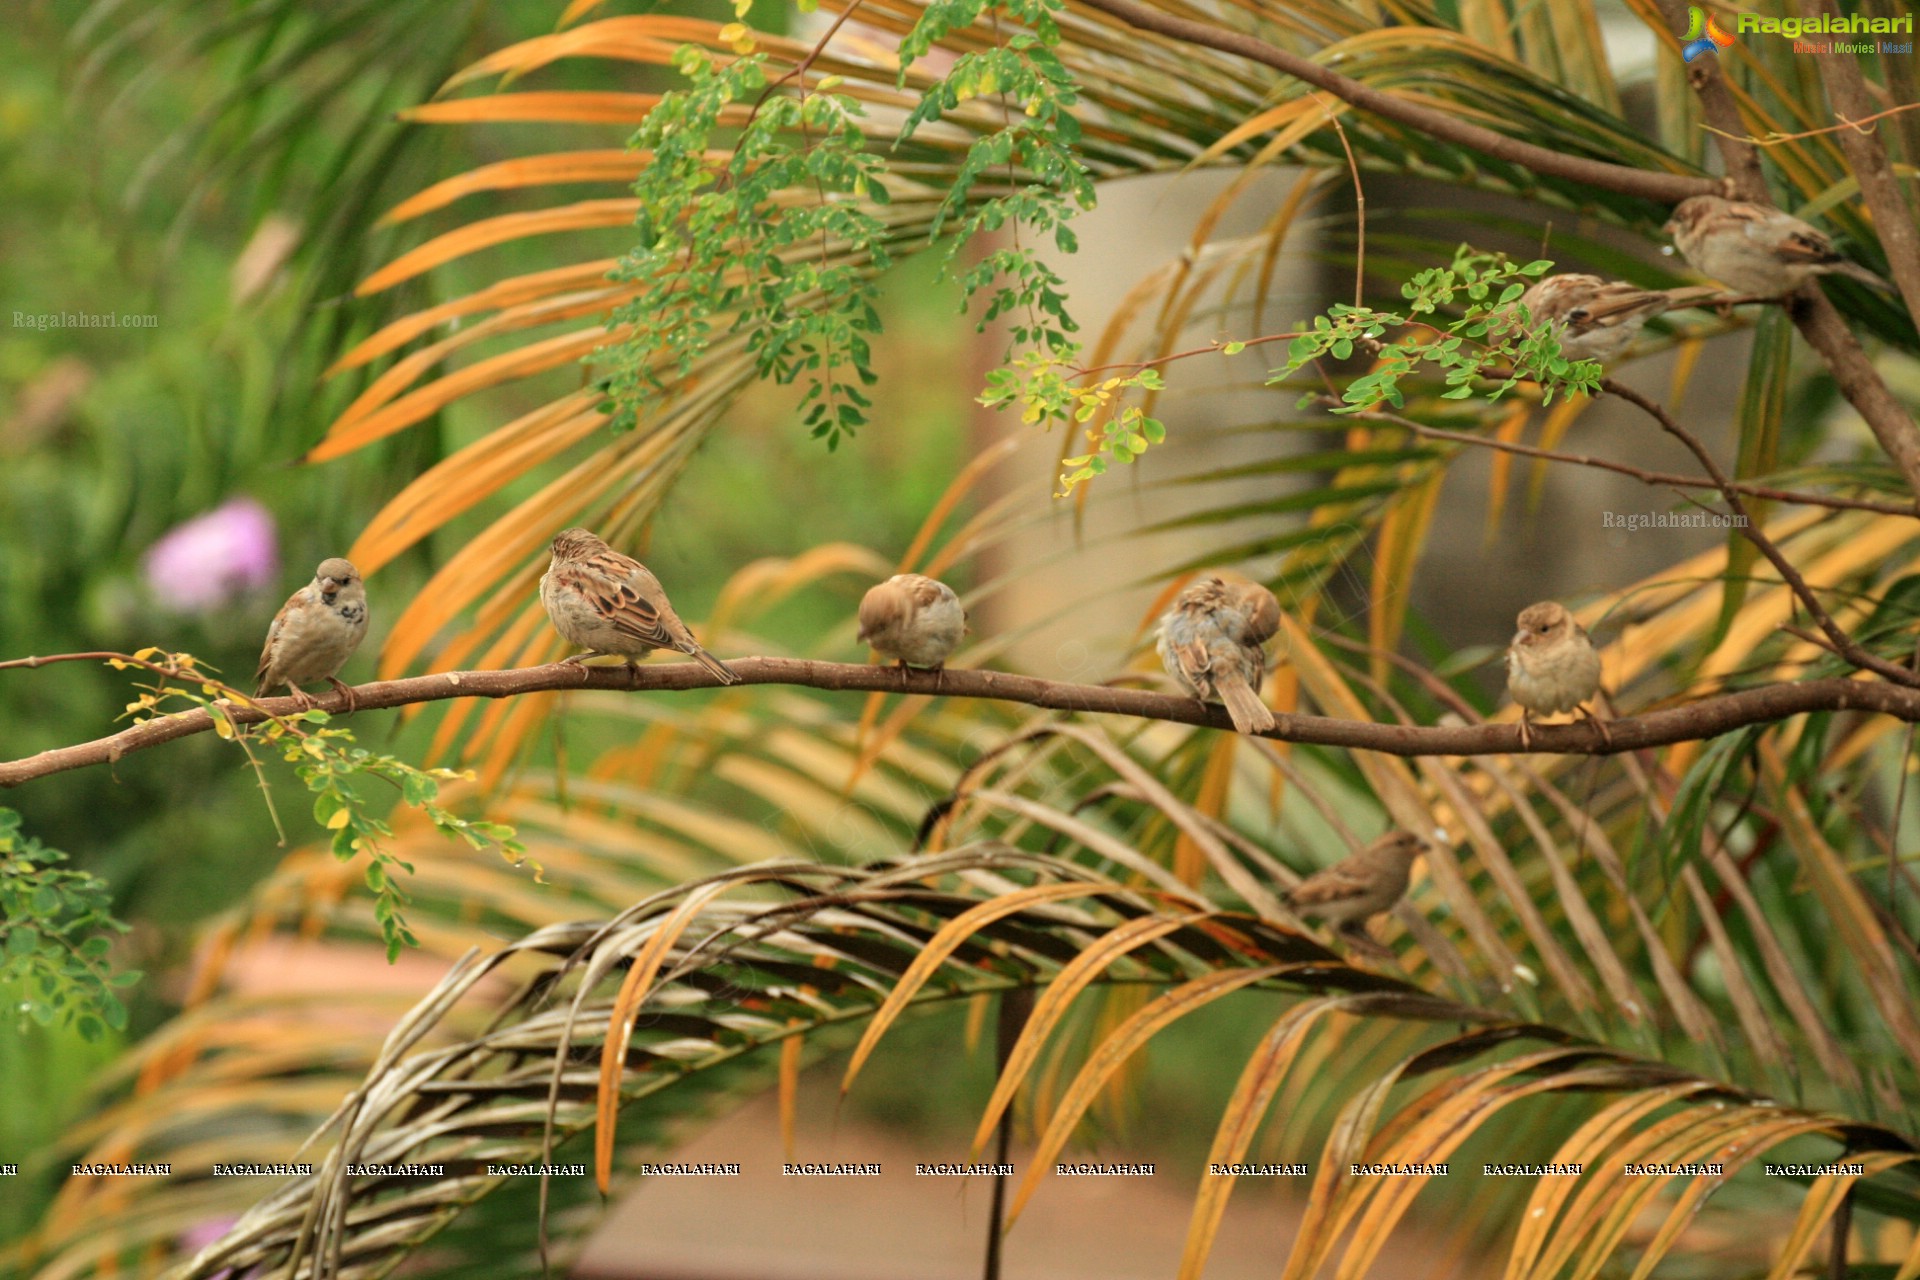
(330, 764)
(776, 244)
(1036, 151)
(56, 935)
(1046, 390)
(1493, 337)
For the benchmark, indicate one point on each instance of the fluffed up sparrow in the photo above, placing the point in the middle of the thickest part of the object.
(1754, 249)
(1597, 319)
(1361, 885)
(913, 619)
(608, 603)
(1552, 666)
(315, 632)
(1212, 641)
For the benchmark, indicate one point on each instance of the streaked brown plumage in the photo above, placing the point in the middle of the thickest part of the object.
(1755, 249)
(913, 619)
(1597, 319)
(608, 603)
(1212, 640)
(1360, 886)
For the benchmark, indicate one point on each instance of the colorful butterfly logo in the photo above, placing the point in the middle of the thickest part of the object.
(1703, 34)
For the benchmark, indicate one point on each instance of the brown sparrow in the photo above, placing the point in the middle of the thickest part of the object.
(1211, 641)
(1551, 666)
(913, 619)
(1754, 249)
(608, 603)
(1359, 886)
(1597, 319)
(315, 632)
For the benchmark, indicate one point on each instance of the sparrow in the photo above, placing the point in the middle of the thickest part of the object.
(608, 603)
(1552, 667)
(913, 619)
(1754, 249)
(1359, 886)
(1212, 641)
(315, 632)
(1597, 319)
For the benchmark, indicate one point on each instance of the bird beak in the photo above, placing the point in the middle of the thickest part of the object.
(328, 586)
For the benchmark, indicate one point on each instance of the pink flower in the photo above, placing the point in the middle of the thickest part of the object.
(201, 565)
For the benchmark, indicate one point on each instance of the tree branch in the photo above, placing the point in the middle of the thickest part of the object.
(1624, 179)
(1741, 157)
(1843, 643)
(1689, 722)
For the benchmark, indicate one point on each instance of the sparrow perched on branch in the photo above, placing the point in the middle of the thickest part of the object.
(1552, 666)
(315, 632)
(913, 619)
(1212, 641)
(1756, 250)
(608, 603)
(1597, 319)
(1359, 886)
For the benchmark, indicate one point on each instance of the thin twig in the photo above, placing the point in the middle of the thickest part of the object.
(1657, 478)
(1211, 348)
(1751, 530)
(1775, 138)
(801, 67)
(1360, 212)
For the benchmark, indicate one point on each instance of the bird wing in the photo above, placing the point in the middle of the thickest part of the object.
(1194, 659)
(1326, 887)
(1803, 245)
(926, 592)
(1618, 301)
(266, 650)
(626, 604)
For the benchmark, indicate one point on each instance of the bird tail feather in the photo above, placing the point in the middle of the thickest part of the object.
(1248, 713)
(1863, 275)
(721, 671)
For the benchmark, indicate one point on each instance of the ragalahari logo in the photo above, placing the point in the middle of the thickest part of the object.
(1703, 34)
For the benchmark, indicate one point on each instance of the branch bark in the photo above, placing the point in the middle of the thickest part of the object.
(1893, 222)
(1741, 157)
(1689, 722)
(1624, 179)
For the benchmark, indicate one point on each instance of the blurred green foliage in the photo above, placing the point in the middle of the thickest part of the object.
(56, 933)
